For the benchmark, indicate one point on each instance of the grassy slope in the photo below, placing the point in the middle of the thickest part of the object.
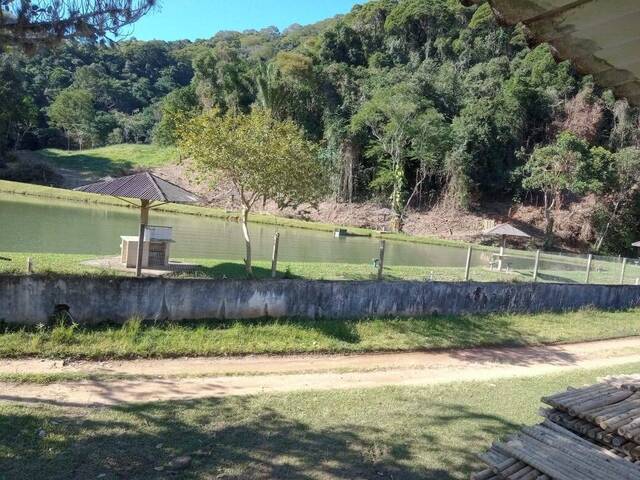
(430, 433)
(295, 335)
(111, 160)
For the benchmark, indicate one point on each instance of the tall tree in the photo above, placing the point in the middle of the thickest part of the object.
(262, 157)
(404, 129)
(623, 187)
(564, 166)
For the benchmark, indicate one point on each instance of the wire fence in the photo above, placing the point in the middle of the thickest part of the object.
(430, 263)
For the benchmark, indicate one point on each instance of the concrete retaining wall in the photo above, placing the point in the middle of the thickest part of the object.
(32, 299)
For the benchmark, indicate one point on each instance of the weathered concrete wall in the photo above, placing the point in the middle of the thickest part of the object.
(31, 300)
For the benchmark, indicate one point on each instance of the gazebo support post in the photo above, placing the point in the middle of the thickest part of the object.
(144, 220)
(504, 242)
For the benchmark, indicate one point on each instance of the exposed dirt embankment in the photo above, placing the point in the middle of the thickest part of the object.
(573, 222)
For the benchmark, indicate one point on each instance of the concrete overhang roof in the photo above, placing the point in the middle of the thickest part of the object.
(600, 37)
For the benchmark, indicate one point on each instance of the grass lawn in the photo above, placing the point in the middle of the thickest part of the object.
(208, 338)
(70, 264)
(430, 433)
(111, 160)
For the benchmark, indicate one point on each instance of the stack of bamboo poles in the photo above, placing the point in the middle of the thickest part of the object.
(589, 433)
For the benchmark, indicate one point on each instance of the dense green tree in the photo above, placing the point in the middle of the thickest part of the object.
(72, 111)
(221, 78)
(18, 112)
(417, 24)
(404, 130)
(179, 105)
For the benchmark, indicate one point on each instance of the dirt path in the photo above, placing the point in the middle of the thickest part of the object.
(181, 379)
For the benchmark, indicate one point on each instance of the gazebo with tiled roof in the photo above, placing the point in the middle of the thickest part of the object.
(151, 190)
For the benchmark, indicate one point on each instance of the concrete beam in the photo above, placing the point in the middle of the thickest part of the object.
(601, 37)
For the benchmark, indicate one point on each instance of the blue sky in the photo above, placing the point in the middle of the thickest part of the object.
(193, 19)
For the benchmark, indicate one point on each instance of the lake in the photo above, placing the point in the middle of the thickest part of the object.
(31, 224)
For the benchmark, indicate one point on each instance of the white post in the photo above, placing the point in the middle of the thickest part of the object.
(622, 269)
(274, 256)
(500, 258)
(535, 266)
(588, 273)
(467, 265)
(29, 266)
(144, 220)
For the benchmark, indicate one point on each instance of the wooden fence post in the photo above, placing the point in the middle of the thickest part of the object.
(274, 256)
(588, 273)
(467, 265)
(381, 258)
(535, 266)
(29, 266)
(622, 269)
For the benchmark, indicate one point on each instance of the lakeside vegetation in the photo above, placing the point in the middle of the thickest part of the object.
(430, 432)
(262, 336)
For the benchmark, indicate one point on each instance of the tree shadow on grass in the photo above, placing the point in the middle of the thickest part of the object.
(342, 330)
(445, 331)
(231, 270)
(234, 439)
(547, 277)
(471, 338)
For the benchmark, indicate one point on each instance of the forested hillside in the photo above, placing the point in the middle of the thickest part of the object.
(413, 103)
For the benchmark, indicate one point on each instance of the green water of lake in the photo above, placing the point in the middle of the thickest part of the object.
(29, 224)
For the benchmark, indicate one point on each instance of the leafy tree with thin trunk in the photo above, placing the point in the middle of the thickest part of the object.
(262, 157)
(623, 187)
(405, 129)
(566, 166)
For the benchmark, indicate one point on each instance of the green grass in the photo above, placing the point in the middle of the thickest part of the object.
(71, 264)
(430, 433)
(210, 338)
(111, 160)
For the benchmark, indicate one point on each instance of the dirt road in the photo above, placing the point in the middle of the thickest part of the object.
(181, 379)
